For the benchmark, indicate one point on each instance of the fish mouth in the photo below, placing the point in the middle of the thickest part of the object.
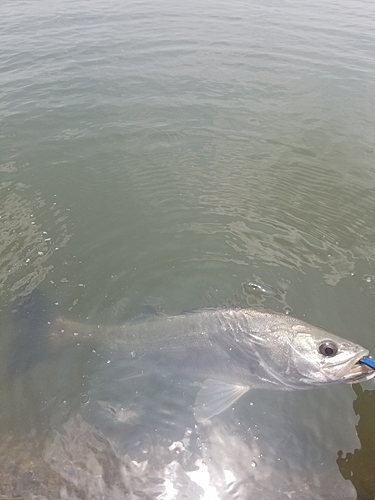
(358, 372)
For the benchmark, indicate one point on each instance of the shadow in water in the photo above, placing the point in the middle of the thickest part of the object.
(359, 466)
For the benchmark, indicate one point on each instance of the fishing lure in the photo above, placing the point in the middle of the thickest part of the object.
(369, 362)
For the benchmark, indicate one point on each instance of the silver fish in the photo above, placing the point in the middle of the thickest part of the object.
(228, 352)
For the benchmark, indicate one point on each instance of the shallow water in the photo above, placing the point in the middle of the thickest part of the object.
(177, 156)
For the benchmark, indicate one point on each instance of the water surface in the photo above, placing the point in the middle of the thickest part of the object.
(181, 156)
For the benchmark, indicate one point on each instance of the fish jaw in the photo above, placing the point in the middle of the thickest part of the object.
(358, 372)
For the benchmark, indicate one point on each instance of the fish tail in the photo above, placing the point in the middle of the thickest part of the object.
(33, 337)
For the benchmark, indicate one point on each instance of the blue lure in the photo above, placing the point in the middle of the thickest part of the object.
(369, 362)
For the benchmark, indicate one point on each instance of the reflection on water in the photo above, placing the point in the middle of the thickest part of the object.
(31, 232)
(216, 461)
(25, 475)
(359, 466)
(279, 232)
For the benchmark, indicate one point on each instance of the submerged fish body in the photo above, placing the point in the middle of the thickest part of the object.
(228, 352)
(134, 428)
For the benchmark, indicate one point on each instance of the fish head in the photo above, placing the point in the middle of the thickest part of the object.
(319, 357)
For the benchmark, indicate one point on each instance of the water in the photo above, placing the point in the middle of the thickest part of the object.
(180, 156)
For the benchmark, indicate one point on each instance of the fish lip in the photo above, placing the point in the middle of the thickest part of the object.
(365, 372)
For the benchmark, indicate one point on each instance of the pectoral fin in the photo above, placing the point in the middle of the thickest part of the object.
(215, 397)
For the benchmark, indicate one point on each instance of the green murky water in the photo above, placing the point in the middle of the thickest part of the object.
(184, 155)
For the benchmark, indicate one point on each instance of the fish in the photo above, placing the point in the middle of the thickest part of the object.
(226, 352)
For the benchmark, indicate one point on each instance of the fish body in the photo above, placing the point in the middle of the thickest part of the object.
(229, 351)
(224, 353)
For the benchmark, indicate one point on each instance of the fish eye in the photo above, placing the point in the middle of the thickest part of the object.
(328, 348)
